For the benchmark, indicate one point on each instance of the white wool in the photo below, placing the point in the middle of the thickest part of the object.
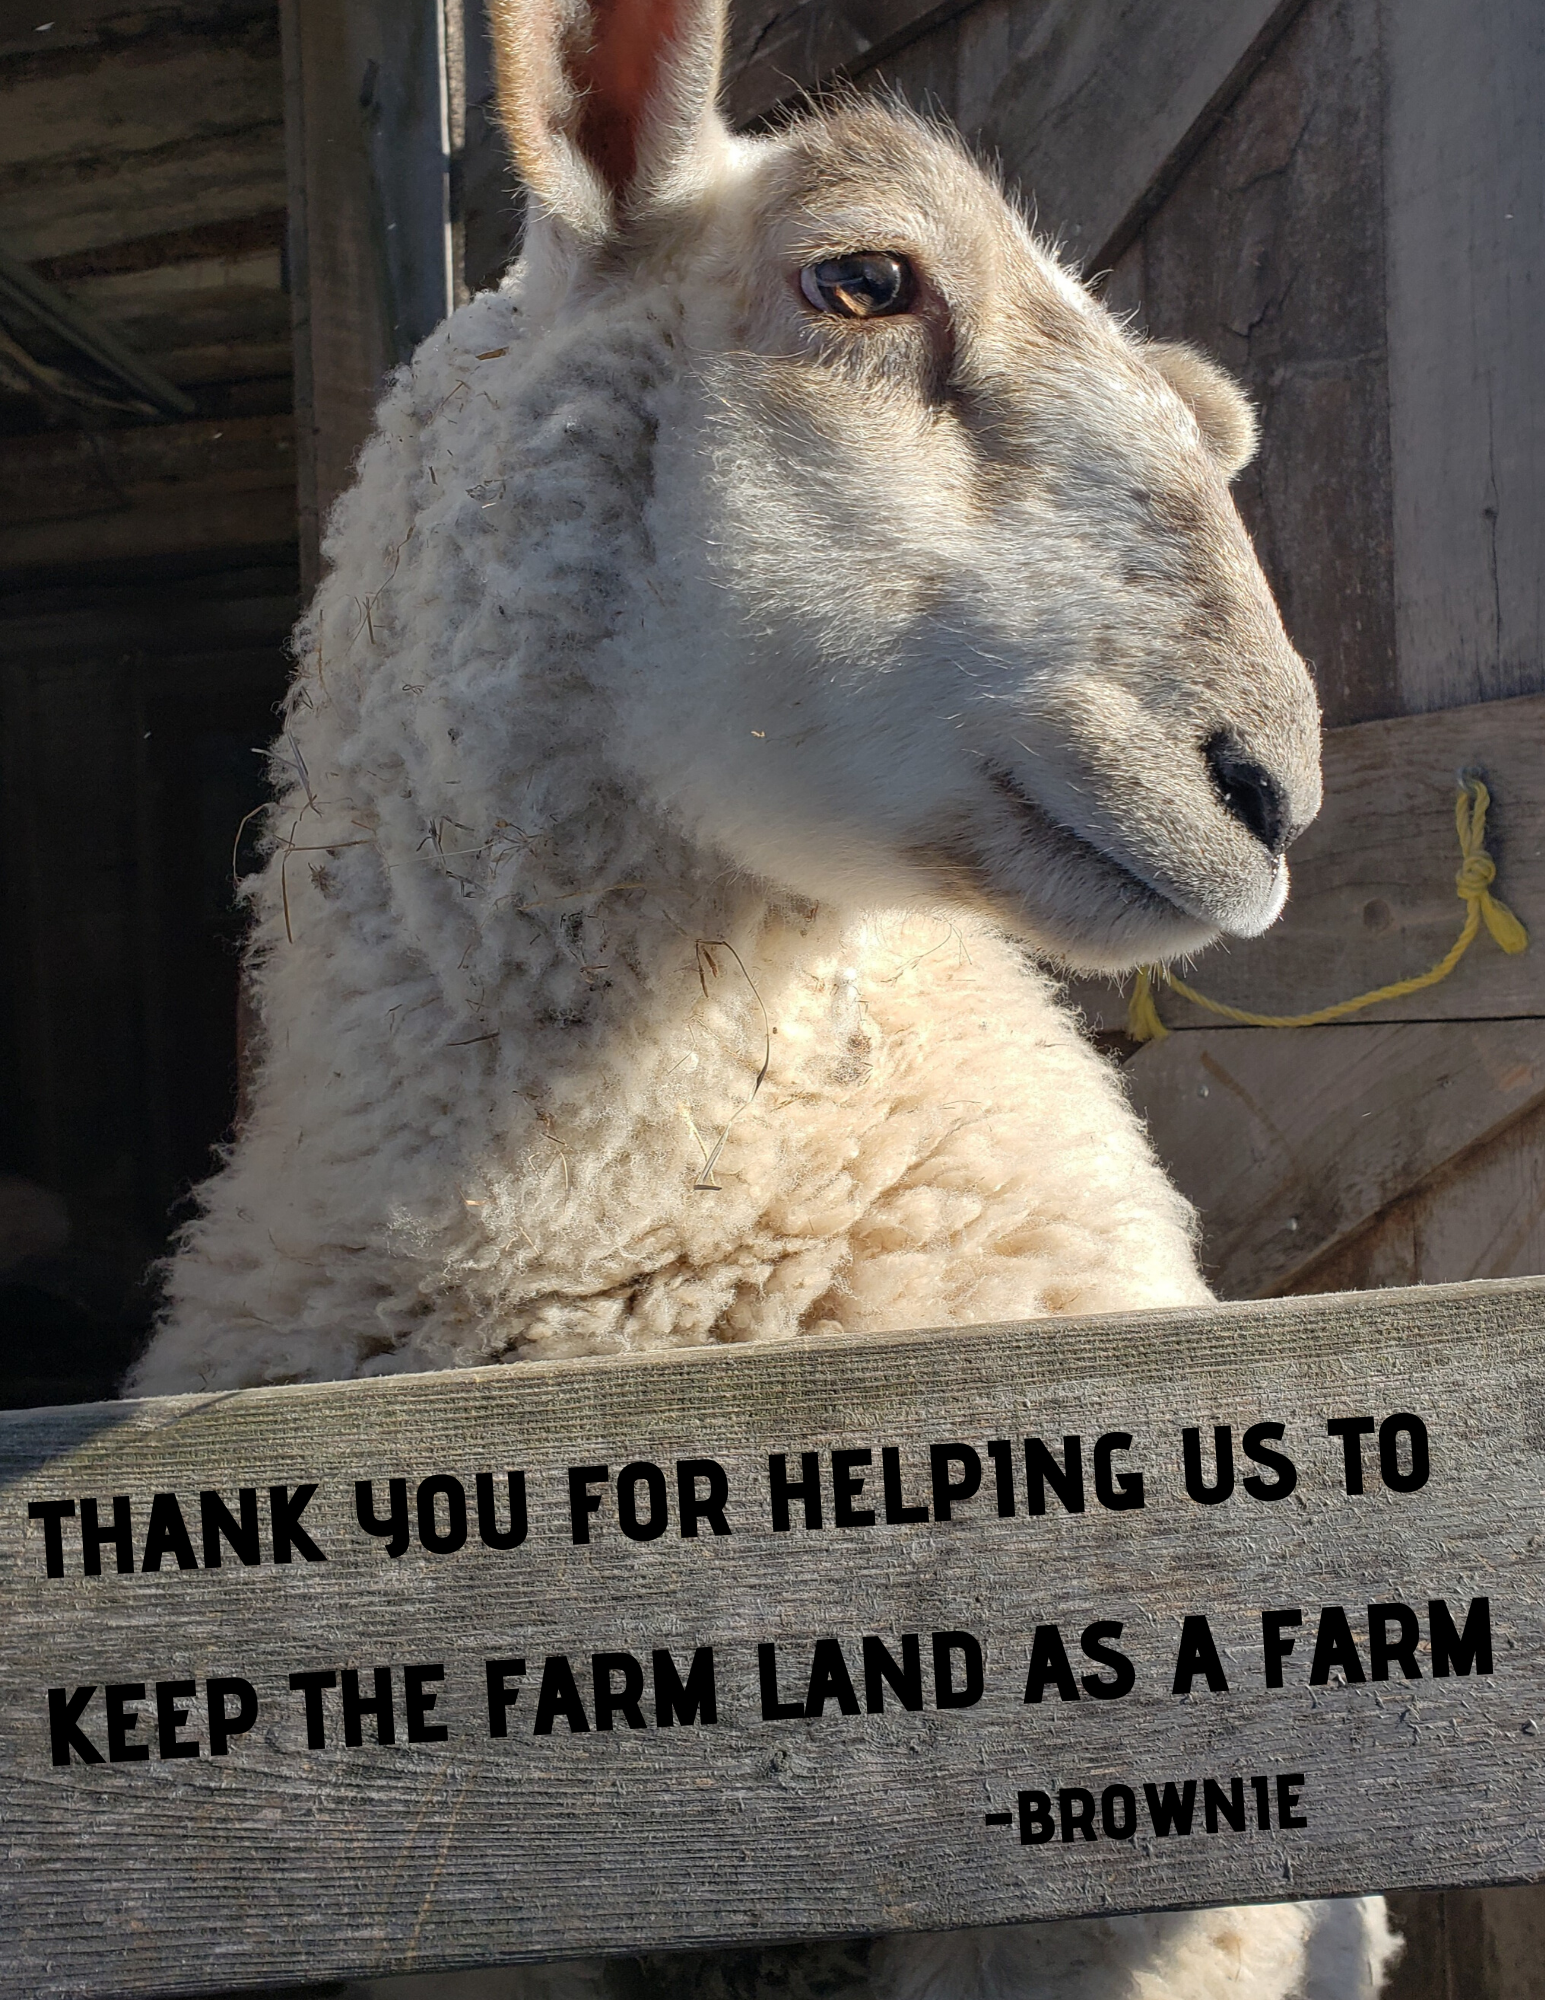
(507, 1011)
(557, 1060)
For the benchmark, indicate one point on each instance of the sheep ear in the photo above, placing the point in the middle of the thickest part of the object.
(1217, 402)
(609, 104)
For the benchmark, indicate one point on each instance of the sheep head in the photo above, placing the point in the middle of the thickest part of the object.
(951, 601)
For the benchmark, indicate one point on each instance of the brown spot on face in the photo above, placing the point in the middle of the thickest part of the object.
(946, 853)
(1180, 512)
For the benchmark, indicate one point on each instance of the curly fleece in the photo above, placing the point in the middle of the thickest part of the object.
(509, 1011)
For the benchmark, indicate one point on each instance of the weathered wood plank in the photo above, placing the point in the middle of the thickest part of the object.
(1373, 896)
(188, 133)
(225, 483)
(252, 520)
(228, 301)
(33, 34)
(130, 378)
(1482, 1217)
(776, 51)
(1290, 1140)
(219, 179)
(800, 1809)
(202, 85)
(1464, 275)
(367, 142)
(1471, 1944)
(1094, 107)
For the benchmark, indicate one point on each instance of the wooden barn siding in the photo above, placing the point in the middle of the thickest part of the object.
(1465, 282)
(1342, 243)
(370, 243)
(142, 171)
(147, 580)
(170, 113)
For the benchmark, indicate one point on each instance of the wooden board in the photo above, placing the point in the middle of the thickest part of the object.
(368, 163)
(1464, 273)
(198, 319)
(159, 129)
(115, 24)
(1290, 1140)
(1481, 1216)
(1470, 1944)
(802, 1784)
(776, 51)
(168, 489)
(1093, 107)
(1372, 897)
(67, 475)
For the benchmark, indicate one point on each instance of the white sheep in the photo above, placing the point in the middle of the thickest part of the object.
(784, 606)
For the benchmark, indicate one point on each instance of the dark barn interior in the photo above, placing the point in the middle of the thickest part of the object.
(149, 575)
(150, 569)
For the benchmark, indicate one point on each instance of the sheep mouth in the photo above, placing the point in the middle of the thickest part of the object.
(1142, 895)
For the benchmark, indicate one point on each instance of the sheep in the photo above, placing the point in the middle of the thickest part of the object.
(765, 635)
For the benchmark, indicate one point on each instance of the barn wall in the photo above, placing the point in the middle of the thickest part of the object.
(147, 580)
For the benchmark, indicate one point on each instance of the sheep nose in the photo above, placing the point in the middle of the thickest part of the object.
(1250, 794)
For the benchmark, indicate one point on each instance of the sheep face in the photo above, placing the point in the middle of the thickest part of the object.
(956, 604)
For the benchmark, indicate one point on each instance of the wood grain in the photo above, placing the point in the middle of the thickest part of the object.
(1372, 896)
(119, 24)
(1483, 1216)
(178, 132)
(1290, 1140)
(1471, 1944)
(367, 145)
(776, 51)
(63, 475)
(1464, 273)
(1093, 107)
(280, 1860)
(225, 486)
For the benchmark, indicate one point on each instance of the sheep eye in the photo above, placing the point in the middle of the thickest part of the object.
(870, 284)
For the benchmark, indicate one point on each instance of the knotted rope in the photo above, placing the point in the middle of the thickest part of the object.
(1472, 884)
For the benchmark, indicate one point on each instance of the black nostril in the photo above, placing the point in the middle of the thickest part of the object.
(1249, 792)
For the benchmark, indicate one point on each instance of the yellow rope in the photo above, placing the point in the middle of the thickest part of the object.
(1477, 872)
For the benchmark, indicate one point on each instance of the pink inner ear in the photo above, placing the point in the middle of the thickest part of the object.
(618, 76)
